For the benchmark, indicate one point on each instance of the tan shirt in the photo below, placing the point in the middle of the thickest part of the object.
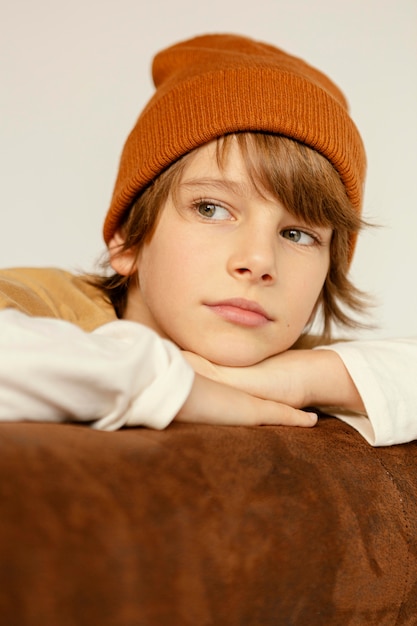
(49, 292)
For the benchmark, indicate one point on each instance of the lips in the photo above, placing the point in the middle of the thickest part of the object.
(240, 311)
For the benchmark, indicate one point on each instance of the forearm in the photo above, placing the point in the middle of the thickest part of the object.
(299, 378)
(373, 380)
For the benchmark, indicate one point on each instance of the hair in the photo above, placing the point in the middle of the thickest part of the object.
(307, 185)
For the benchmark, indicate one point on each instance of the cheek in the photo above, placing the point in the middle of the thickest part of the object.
(314, 283)
(163, 272)
(316, 287)
(307, 289)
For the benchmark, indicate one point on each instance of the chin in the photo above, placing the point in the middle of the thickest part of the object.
(234, 358)
(233, 362)
(228, 353)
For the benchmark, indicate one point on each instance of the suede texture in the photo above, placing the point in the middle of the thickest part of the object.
(205, 525)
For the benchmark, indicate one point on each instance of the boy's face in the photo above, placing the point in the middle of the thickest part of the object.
(228, 274)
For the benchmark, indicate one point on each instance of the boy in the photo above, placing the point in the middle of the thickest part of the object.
(231, 228)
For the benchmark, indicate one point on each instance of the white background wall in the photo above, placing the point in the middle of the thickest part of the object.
(74, 76)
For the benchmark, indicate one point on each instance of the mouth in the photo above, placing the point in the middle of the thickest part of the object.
(240, 311)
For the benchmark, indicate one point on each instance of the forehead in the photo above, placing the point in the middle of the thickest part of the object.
(212, 166)
(207, 158)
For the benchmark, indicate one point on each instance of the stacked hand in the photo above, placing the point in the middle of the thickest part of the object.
(270, 392)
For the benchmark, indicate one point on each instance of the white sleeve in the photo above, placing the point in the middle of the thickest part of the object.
(122, 374)
(385, 374)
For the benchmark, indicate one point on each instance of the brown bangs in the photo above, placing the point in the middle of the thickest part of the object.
(302, 179)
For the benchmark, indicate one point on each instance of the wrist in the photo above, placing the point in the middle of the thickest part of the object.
(329, 382)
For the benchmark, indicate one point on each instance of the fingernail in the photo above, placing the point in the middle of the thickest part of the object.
(313, 417)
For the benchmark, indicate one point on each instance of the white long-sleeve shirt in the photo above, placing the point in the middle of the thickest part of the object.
(65, 356)
(385, 374)
(124, 374)
(121, 374)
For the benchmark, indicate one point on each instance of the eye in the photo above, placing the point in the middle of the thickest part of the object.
(299, 236)
(211, 210)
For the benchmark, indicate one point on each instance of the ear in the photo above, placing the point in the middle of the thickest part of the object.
(122, 261)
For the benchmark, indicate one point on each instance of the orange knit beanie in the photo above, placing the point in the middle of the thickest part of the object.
(212, 85)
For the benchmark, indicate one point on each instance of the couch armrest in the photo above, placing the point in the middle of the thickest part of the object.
(206, 525)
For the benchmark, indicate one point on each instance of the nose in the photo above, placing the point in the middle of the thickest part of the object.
(253, 257)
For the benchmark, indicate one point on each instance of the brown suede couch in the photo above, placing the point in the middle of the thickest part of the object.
(206, 526)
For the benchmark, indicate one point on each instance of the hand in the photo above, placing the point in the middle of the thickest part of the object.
(298, 378)
(211, 402)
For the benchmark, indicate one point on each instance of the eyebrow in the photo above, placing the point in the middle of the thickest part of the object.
(222, 184)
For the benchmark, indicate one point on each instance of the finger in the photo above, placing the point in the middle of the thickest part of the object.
(274, 413)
